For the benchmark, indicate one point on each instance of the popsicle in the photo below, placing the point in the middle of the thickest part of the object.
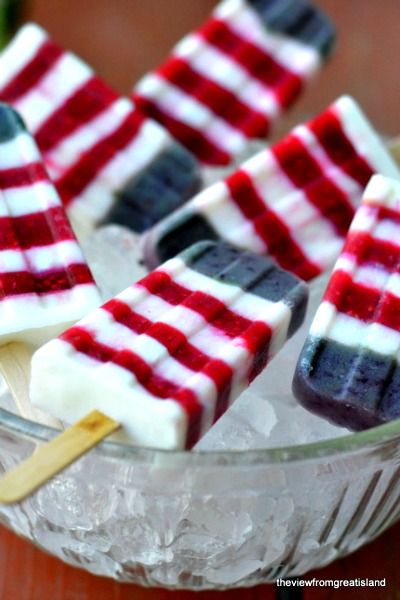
(45, 283)
(293, 201)
(229, 80)
(348, 370)
(109, 163)
(167, 356)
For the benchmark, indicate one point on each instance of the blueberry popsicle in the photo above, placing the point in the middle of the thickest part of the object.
(167, 356)
(293, 201)
(108, 162)
(229, 80)
(348, 370)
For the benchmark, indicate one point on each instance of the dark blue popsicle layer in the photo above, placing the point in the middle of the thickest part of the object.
(172, 178)
(189, 230)
(353, 387)
(11, 123)
(298, 19)
(255, 274)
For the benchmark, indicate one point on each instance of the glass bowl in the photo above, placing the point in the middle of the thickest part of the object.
(210, 519)
(201, 520)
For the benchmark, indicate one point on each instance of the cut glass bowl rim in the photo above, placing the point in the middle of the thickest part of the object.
(371, 440)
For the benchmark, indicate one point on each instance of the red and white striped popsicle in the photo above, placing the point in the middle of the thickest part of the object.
(45, 283)
(348, 371)
(166, 357)
(107, 160)
(229, 80)
(293, 201)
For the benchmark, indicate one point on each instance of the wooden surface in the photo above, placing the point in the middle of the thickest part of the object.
(122, 39)
(28, 574)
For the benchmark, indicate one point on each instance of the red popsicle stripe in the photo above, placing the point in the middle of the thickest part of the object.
(178, 347)
(91, 162)
(84, 342)
(91, 99)
(361, 299)
(362, 302)
(57, 280)
(302, 169)
(36, 229)
(30, 75)
(211, 309)
(262, 66)
(191, 138)
(253, 334)
(25, 175)
(330, 133)
(367, 249)
(270, 228)
(223, 103)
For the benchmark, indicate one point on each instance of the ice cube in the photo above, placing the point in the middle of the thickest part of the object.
(246, 425)
(115, 258)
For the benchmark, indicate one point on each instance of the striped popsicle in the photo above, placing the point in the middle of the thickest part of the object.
(108, 162)
(348, 370)
(293, 201)
(166, 357)
(45, 283)
(229, 80)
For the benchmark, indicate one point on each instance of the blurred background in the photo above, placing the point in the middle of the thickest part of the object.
(122, 39)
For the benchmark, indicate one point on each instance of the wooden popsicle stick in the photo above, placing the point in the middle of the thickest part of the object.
(52, 457)
(15, 365)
